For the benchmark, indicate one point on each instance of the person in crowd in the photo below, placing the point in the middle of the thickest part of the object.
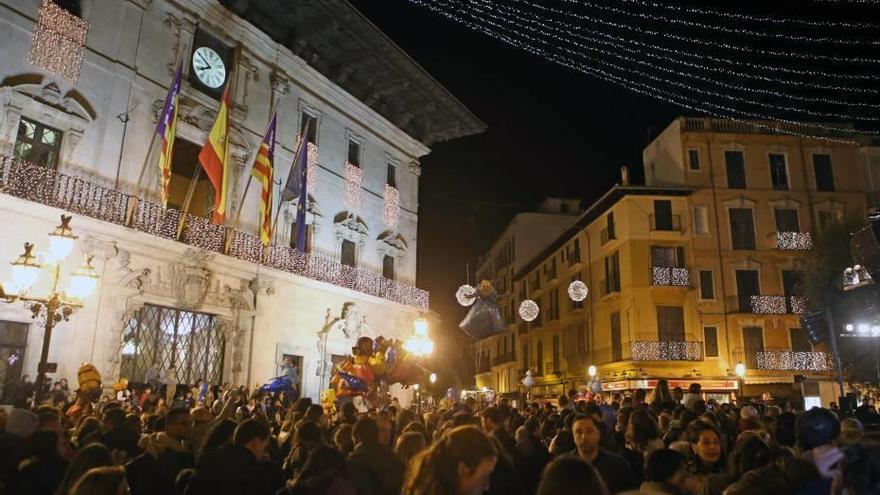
(120, 439)
(307, 437)
(533, 455)
(343, 440)
(614, 470)
(661, 399)
(817, 430)
(665, 473)
(642, 433)
(859, 471)
(167, 454)
(235, 468)
(695, 393)
(567, 475)
(409, 445)
(91, 456)
(323, 474)
(107, 480)
(851, 431)
(373, 467)
(460, 462)
(42, 467)
(707, 454)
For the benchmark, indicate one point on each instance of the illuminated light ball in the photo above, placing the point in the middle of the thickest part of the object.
(578, 291)
(528, 310)
(465, 295)
(850, 327)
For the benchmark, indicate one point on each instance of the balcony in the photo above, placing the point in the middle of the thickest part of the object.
(792, 241)
(665, 350)
(768, 305)
(664, 276)
(500, 359)
(665, 224)
(607, 235)
(45, 186)
(483, 367)
(793, 361)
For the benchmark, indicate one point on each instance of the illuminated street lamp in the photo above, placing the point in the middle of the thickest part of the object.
(58, 304)
(432, 378)
(591, 370)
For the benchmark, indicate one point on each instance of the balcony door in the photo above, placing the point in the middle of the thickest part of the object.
(753, 343)
(670, 323)
(747, 285)
(184, 163)
(662, 214)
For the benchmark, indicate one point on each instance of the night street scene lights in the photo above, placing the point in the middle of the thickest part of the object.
(55, 304)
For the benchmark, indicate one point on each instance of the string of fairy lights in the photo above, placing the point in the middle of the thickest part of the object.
(780, 86)
(545, 28)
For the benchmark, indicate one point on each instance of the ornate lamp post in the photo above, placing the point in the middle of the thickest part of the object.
(58, 304)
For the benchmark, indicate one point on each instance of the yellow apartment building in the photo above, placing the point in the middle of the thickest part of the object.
(690, 274)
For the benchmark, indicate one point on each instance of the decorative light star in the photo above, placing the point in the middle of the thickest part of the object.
(578, 291)
(528, 310)
(465, 295)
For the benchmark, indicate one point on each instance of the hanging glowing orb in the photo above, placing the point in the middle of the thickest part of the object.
(528, 310)
(465, 295)
(578, 291)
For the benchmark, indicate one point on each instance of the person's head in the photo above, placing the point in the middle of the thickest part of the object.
(178, 423)
(218, 435)
(307, 432)
(322, 459)
(816, 427)
(408, 445)
(88, 457)
(315, 414)
(201, 416)
(107, 480)
(665, 466)
(365, 431)
(750, 452)
(859, 470)
(113, 418)
(385, 427)
(568, 475)
(349, 412)
(705, 441)
(695, 388)
(49, 418)
(458, 463)
(491, 418)
(587, 433)
(642, 428)
(677, 394)
(851, 431)
(252, 435)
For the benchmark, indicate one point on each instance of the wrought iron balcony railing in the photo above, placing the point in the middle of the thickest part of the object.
(500, 359)
(793, 361)
(793, 241)
(665, 350)
(46, 186)
(671, 223)
(668, 276)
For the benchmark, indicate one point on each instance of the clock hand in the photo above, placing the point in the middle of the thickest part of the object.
(203, 60)
(202, 68)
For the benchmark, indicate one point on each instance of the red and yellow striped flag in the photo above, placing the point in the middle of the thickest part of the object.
(165, 129)
(264, 172)
(215, 158)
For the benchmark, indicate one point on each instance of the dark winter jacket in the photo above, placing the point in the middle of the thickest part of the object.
(154, 474)
(233, 470)
(375, 470)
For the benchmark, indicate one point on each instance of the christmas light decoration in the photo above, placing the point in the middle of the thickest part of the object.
(795, 241)
(45, 186)
(665, 350)
(466, 295)
(578, 291)
(494, 19)
(312, 164)
(664, 275)
(566, 37)
(203, 233)
(59, 41)
(798, 305)
(391, 208)
(354, 178)
(778, 305)
(528, 310)
(793, 361)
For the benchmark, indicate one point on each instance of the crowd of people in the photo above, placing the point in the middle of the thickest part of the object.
(220, 440)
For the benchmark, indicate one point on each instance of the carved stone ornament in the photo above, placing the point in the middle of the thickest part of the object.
(191, 279)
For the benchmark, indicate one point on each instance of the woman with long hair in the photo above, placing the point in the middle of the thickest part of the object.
(568, 475)
(642, 433)
(707, 452)
(108, 480)
(217, 436)
(409, 445)
(458, 463)
(88, 457)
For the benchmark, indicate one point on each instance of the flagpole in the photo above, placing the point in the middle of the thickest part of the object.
(250, 175)
(189, 194)
(132, 203)
(302, 148)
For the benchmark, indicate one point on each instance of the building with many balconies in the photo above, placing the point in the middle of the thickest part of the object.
(694, 272)
(175, 289)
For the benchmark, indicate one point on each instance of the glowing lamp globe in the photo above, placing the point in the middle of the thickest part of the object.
(740, 370)
(578, 291)
(465, 295)
(432, 378)
(592, 371)
(82, 281)
(61, 240)
(25, 271)
(528, 310)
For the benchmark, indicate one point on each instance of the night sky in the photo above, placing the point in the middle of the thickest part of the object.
(551, 132)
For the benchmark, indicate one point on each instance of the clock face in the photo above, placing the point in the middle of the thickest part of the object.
(209, 67)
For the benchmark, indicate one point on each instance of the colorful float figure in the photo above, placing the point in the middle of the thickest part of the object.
(372, 365)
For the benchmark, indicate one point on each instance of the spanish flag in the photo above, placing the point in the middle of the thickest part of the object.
(214, 158)
(264, 172)
(165, 129)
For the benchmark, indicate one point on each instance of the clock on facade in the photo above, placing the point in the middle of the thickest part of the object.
(208, 67)
(210, 64)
